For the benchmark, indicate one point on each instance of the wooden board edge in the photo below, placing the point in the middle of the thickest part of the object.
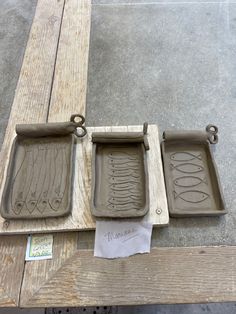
(6, 300)
(90, 281)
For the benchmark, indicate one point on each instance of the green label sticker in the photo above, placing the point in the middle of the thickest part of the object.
(39, 247)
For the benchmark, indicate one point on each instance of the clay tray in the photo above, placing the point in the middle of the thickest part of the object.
(39, 175)
(119, 174)
(192, 182)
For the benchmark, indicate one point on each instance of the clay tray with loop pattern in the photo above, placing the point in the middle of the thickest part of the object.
(192, 181)
(39, 175)
(119, 174)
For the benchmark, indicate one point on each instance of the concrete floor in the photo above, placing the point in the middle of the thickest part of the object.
(15, 21)
(173, 64)
(170, 63)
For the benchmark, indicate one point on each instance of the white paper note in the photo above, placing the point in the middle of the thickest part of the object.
(122, 238)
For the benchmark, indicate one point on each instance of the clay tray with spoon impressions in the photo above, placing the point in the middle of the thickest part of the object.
(119, 174)
(39, 175)
(192, 181)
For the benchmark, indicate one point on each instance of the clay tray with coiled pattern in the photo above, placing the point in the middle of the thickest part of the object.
(192, 181)
(40, 170)
(119, 174)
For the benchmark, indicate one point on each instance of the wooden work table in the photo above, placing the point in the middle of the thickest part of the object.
(51, 86)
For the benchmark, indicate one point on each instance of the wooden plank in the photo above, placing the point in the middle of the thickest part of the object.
(70, 81)
(70, 76)
(30, 105)
(81, 217)
(38, 272)
(12, 261)
(166, 275)
(34, 85)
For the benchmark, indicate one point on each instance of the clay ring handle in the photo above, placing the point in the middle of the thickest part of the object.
(213, 138)
(211, 128)
(83, 133)
(79, 124)
(145, 127)
(73, 116)
(145, 140)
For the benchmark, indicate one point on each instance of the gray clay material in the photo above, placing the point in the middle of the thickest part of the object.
(39, 175)
(192, 181)
(119, 175)
(53, 129)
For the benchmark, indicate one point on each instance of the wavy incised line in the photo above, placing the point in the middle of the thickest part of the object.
(17, 210)
(114, 167)
(44, 177)
(124, 162)
(125, 192)
(132, 206)
(122, 173)
(124, 181)
(123, 156)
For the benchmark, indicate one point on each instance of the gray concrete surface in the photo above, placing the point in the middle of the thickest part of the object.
(135, 2)
(214, 308)
(171, 64)
(174, 65)
(15, 21)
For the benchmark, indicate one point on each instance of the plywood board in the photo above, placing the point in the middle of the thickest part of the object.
(166, 275)
(81, 218)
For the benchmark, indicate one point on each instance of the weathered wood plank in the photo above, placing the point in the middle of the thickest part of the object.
(34, 85)
(30, 105)
(37, 273)
(70, 80)
(12, 260)
(70, 76)
(166, 275)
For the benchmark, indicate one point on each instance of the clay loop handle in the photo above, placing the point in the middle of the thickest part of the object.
(79, 124)
(145, 140)
(212, 131)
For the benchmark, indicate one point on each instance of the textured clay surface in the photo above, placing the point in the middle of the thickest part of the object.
(38, 183)
(119, 177)
(192, 182)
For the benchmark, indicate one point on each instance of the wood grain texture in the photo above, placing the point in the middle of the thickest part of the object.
(70, 80)
(70, 76)
(30, 105)
(12, 260)
(166, 275)
(38, 272)
(81, 217)
(33, 90)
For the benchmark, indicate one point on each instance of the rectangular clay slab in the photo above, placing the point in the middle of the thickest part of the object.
(119, 179)
(191, 177)
(38, 183)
